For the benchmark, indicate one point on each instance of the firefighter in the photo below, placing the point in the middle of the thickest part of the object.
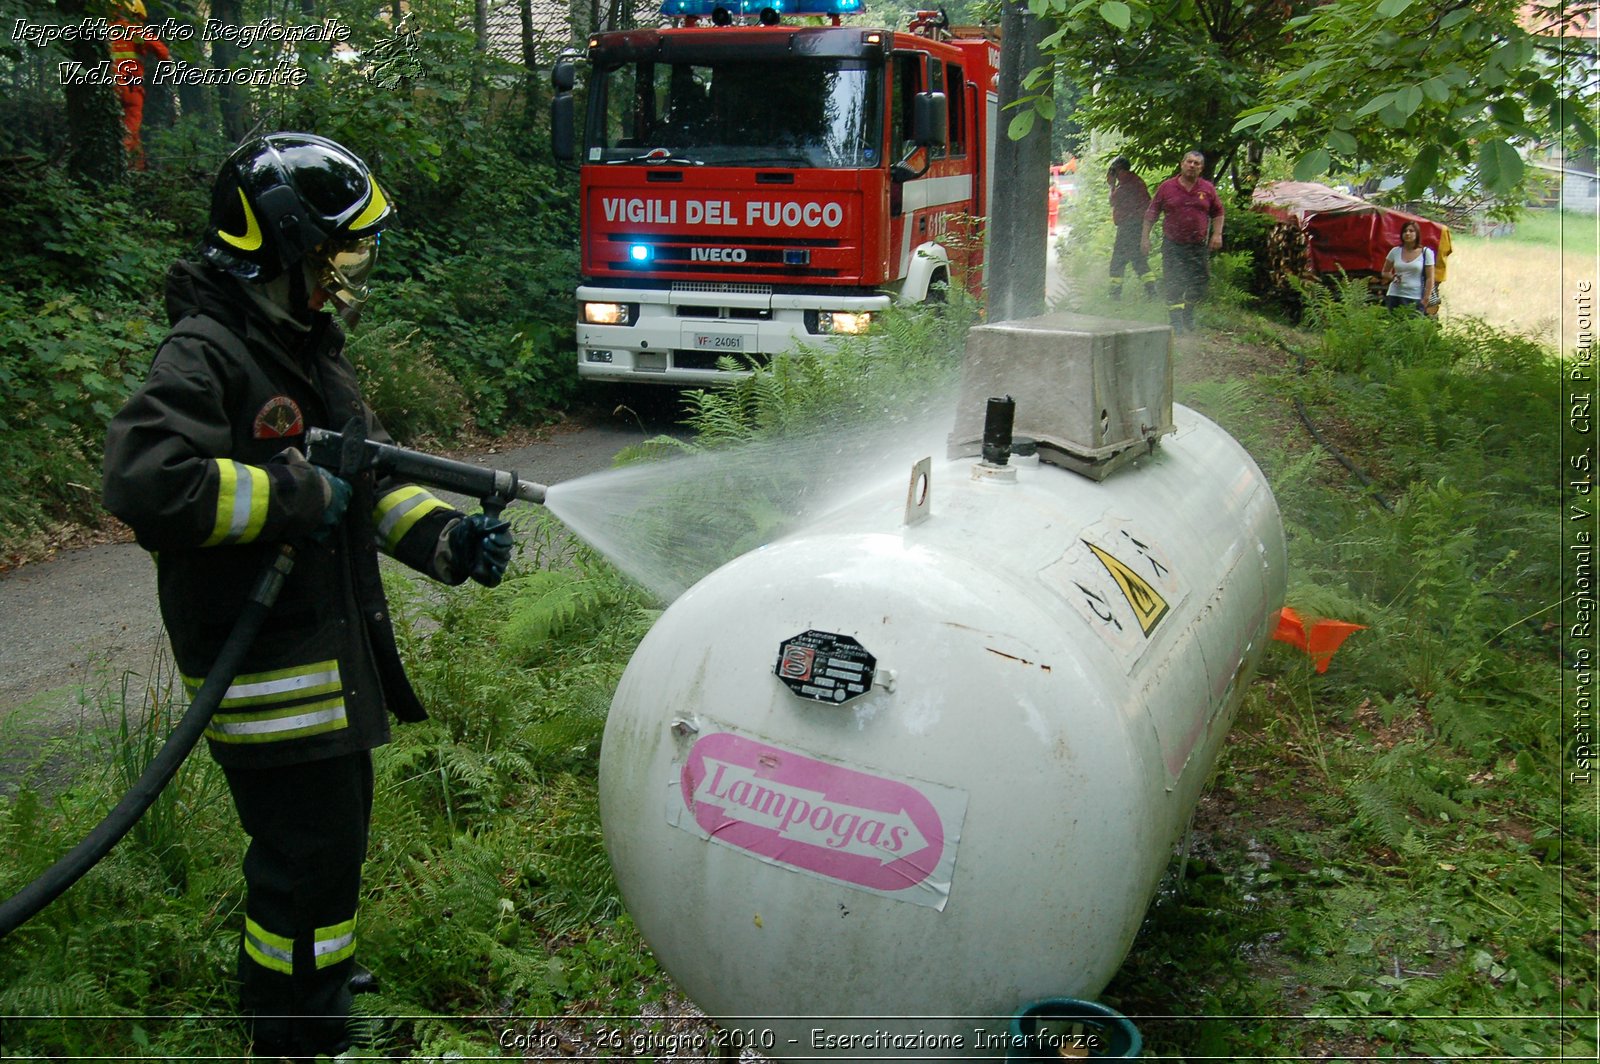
(132, 43)
(1191, 216)
(1129, 197)
(205, 464)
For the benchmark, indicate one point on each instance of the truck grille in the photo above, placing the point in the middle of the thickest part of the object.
(722, 286)
(765, 254)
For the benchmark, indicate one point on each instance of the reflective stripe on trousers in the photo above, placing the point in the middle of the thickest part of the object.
(329, 946)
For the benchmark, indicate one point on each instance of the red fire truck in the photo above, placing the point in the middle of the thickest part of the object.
(748, 188)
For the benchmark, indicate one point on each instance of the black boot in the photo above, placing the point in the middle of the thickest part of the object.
(362, 981)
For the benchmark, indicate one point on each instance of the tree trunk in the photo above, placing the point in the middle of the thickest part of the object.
(194, 103)
(160, 103)
(231, 99)
(480, 44)
(530, 62)
(1017, 228)
(94, 117)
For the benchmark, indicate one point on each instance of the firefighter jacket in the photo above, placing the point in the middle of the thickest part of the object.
(195, 465)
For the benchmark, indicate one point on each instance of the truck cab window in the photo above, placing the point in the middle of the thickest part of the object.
(907, 82)
(812, 112)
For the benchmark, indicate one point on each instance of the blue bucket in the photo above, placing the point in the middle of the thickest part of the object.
(1058, 1029)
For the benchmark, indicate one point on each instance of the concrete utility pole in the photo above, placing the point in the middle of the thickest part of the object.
(1017, 228)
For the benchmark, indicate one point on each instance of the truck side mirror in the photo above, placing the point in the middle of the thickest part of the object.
(930, 119)
(561, 134)
(562, 139)
(930, 114)
(563, 75)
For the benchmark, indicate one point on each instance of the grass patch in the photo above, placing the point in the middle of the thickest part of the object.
(1525, 282)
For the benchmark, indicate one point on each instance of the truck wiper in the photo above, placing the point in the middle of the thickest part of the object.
(767, 160)
(657, 156)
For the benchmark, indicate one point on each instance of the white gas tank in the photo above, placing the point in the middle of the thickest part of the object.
(935, 770)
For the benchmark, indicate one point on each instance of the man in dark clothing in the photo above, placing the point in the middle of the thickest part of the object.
(205, 464)
(1129, 197)
(1191, 225)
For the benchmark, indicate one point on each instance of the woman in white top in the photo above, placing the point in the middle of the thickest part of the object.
(1409, 271)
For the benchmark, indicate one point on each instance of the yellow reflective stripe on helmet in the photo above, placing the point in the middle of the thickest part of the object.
(268, 950)
(397, 511)
(375, 208)
(334, 944)
(278, 725)
(242, 492)
(250, 239)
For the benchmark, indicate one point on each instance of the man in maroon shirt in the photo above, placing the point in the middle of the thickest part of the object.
(1191, 223)
(1129, 197)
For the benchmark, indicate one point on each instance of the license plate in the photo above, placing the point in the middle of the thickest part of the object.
(718, 342)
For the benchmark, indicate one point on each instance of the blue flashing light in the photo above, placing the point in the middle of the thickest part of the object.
(639, 252)
(705, 8)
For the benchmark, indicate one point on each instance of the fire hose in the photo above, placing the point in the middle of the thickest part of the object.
(347, 453)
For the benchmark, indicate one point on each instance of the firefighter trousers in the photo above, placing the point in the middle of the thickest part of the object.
(308, 827)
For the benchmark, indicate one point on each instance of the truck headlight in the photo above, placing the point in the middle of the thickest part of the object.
(839, 322)
(608, 313)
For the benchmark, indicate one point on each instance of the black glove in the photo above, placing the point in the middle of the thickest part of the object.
(480, 547)
(336, 491)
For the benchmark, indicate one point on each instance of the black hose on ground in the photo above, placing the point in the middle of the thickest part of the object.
(1338, 456)
(27, 902)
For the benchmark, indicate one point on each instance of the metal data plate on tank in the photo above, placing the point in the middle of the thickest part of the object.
(883, 834)
(825, 666)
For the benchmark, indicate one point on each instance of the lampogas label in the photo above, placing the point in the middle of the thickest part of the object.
(886, 835)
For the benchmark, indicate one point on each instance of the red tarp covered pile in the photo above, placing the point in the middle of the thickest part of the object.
(1344, 231)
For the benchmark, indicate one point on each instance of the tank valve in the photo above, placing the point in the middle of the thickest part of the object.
(997, 424)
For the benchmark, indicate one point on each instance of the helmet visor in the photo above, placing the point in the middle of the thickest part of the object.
(346, 266)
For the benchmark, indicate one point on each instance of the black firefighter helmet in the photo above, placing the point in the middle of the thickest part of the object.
(288, 197)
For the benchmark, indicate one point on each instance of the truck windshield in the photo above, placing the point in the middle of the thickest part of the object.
(737, 112)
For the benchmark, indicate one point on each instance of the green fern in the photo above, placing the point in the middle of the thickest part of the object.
(1379, 812)
(546, 604)
(68, 993)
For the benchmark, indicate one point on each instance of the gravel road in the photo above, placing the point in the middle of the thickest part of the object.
(88, 616)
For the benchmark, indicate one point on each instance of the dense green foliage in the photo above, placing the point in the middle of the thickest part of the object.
(77, 328)
(1442, 88)
(1187, 71)
(1433, 89)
